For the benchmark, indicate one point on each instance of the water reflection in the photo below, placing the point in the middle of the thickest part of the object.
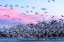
(21, 40)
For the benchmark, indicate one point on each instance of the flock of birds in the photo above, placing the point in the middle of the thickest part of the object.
(11, 7)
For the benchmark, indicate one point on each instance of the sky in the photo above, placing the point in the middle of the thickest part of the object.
(53, 8)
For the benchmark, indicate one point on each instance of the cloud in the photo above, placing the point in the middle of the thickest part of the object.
(16, 15)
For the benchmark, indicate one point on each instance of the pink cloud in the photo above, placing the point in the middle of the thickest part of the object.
(15, 14)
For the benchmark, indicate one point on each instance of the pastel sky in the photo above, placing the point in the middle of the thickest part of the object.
(53, 8)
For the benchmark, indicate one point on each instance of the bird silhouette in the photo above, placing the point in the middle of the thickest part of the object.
(62, 15)
(48, 0)
(26, 11)
(33, 7)
(19, 19)
(43, 18)
(16, 5)
(60, 19)
(36, 12)
(12, 19)
(7, 15)
(11, 7)
(52, 16)
(27, 6)
(31, 11)
(6, 5)
(38, 21)
(8, 25)
(22, 7)
(0, 5)
(23, 13)
(41, 15)
(53, 0)
(45, 12)
(43, 8)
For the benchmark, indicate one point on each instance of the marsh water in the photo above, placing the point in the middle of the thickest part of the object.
(21, 40)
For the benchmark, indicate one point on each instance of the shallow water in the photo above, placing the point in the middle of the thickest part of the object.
(22, 40)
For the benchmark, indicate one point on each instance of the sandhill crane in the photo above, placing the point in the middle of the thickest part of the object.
(38, 21)
(19, 19)
(48, 0)
(33, 7)
(31, 11)
(62, 15)
(11, 6)
(53, 0)
(12, 19)
(27, 6)
(41, 15)
(52, 16)
(6, 5)
(26, 11)
(0, 5)
(7, 16)
(43, 8)
(45, 12)
(23, 13)
(16, 5)
(22, 7)
(36, 12)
